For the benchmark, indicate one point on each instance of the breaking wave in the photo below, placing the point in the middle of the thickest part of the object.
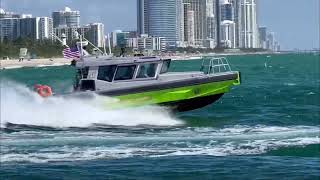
(74, 136)
(43, 147)
(20, 105)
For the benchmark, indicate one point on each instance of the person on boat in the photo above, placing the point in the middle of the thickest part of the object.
(142, 73)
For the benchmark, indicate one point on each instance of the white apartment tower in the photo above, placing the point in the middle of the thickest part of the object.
(66, 18)
(199, 9)
(248, 25)
(37, 28)
(96, 34)
(228, 34)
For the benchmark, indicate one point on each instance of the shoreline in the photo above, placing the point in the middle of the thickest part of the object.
(14, 63)
(45, 62)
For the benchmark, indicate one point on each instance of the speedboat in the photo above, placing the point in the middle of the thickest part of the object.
(146, 80)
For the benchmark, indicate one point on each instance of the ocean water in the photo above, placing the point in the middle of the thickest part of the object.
(266, 128)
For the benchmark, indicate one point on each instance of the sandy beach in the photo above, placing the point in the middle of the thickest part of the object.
(14, 63)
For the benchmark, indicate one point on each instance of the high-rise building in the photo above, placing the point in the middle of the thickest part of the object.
(9, 29)
(248, 25)
(263, 37)
(119, 38)
(38, 28)
(142, 16)
(66, 18)
(188, 30)
(236, 9)
(92, 32)
(13, 26)
(270, 40)
(211, 40)
(161, 18)
(199, 8)
(45, 28)
(218, 22)
(4, 14)
(9, 26)
(148, 43)
(228, 34)
(227, 10)
(95, 34)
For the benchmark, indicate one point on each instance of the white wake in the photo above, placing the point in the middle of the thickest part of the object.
(20, 105)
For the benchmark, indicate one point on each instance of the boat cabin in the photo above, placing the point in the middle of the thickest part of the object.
(93, 73)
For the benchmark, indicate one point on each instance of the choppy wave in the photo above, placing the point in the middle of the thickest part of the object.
(43, 147)
(41, 130)
(19, 105)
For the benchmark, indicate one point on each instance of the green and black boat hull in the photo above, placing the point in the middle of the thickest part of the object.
(184, 95)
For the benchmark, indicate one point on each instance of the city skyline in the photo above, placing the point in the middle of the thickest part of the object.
(290, 36)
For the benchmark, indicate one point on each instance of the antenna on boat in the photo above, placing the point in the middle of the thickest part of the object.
(109, 44)
(81, 48)
(87, 41)
(104, 47)
(62, 40)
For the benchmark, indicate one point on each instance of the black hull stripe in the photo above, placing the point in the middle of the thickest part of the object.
(170, 85)
(192, 104)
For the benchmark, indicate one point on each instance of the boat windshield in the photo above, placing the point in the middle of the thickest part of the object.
(106, 73)
(147, 70)
(165, 66)
(125, 72)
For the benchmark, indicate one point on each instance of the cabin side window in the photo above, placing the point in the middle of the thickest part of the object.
(165, 66)
(125, 72)
(147, 70)
(105, 73)
(81, 74)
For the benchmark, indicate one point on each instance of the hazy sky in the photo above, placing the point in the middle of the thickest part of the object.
(295, 22)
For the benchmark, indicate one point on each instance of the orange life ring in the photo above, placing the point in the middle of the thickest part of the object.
(44, 91)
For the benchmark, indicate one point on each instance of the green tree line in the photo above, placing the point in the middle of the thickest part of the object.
(38, 49)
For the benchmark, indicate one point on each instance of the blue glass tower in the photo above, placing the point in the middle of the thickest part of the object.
(159, 18)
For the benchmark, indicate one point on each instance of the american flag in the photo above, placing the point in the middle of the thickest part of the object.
(71, 53)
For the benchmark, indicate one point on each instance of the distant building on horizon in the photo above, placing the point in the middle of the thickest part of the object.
(9, 29)
(9, 25)
(93, 32)
(66, 18)
(270, 40)
(147, 43)
(228, 34)
(14, 26)
(66, 24)
(37, 28)
(200, 23)
(160, 18)
(5, 14)
(263, 37)
(96, 34)
(227, 24)
(227, 10)
(119, 38)
(248, 25)
(188, 23)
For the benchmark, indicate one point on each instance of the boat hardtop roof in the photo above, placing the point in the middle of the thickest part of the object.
(104, 61)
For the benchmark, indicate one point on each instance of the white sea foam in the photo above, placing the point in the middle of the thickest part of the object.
(290, 84)
(19, 105)
(237, 140)
(11, 67)
(52, 65)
